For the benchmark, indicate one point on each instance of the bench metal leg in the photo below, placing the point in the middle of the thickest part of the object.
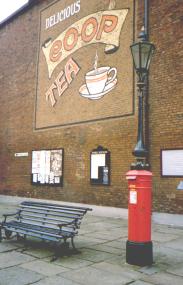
(75, 250)
(61, 249)
(1, 234)
(57, 251)
(7, 234)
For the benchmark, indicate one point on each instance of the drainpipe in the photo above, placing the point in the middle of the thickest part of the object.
(146, 18)
(146, 91)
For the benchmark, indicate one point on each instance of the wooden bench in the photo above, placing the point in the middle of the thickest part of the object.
(47, 221)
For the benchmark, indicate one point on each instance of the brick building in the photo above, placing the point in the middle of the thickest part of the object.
(67, 132)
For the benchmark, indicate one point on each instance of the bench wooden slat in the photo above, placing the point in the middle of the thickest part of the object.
(40, 230)
(44, 218)
(46, 221)
(29, 230)
(38, 220)
(53, 210)
(66, 230)
(64, 214)
(53, 214)
(45, 237)
(75, 208)
(62, 209)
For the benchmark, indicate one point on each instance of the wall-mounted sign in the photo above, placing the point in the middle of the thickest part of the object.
(47, 167)
(83, 57)
(180, 185)
(100, 166)
(20, 154)
(172, 162)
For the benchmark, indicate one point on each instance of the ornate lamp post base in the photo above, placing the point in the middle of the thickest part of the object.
(140, 164)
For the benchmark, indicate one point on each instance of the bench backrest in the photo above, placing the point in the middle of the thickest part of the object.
(51, 215)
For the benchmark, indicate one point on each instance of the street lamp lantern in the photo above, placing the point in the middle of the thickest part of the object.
(142, 52)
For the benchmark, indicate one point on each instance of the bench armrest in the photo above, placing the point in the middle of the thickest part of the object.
(9, 215)
(66, 224)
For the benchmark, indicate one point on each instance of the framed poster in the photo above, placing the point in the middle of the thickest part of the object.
(172, 162)
(100, 166)
(47, 167)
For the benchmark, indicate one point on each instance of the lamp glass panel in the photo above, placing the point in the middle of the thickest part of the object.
(135, 49)
(145, 55)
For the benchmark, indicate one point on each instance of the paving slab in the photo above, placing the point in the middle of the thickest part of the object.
(175, 244)
(101, 226)
(72, 262)
(167, 255)
(168, 229)
(118, 269)
(43, 267)
(149, 270)
(107, 235)
(178, 270)
(18, 276)
(119, 244)
(95, 255)
(4, 247)
(92, 219)
(104, 247)
(57, 280)
(161, 237)
(39, 252)
(83, 241)
(163, 278)
(140, 282)
(8, 259)
(92, 276)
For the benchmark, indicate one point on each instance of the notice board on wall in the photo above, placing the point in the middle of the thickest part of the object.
(100, 166)
(172, 162)
(47, 167)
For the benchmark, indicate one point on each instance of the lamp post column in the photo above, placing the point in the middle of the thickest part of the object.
(139, 244)
(140, 151)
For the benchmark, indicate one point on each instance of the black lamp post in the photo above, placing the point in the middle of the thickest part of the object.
(139, 245)
(142, 52)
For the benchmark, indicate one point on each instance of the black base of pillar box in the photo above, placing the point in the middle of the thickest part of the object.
(139, 253)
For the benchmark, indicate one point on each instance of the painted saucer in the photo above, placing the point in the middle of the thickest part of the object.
(84, 91)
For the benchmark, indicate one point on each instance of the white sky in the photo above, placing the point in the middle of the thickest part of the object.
(8, 7)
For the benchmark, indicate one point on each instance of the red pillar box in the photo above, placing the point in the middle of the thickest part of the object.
(139, 244)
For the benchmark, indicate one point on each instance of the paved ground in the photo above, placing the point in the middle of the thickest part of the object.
(101, 261)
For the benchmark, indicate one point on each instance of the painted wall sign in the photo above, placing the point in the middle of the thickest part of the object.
(83, 57)
(102, 27)
(62, 15)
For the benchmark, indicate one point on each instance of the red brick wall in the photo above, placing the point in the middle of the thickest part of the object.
(166, 97)
(17, 108)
